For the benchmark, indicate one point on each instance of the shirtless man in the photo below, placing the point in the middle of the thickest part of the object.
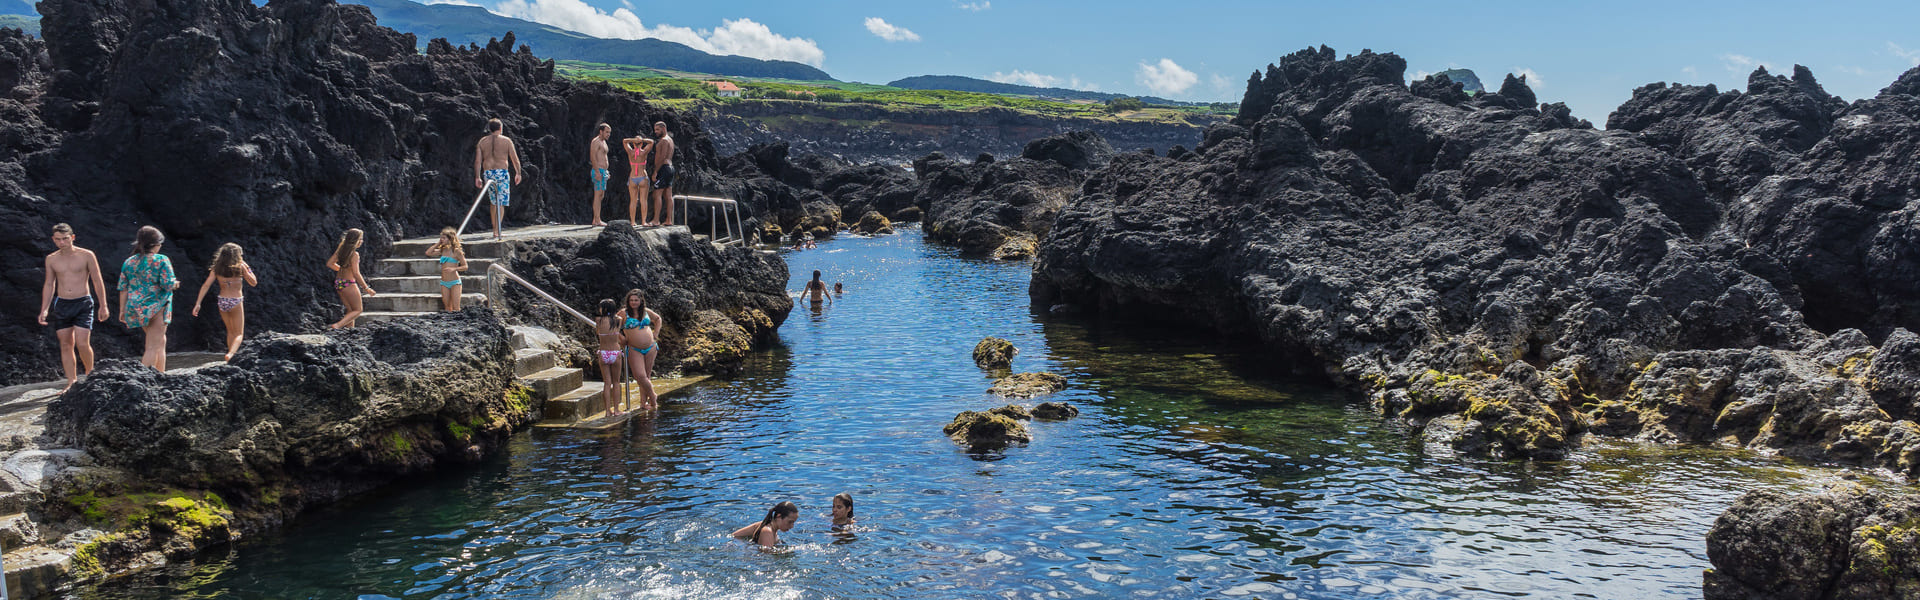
(661, 161)
(597, 153)
(491, 158)
(68, 303)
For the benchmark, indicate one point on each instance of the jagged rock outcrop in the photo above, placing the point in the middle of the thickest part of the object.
(984, 205)
(1510, 278)
(784, 194)
(1027, 385)
(718, 303)
(990, 431)
(1845, 543)
(1055, 411)
(994, 353)
(868, 133)
(274, 126)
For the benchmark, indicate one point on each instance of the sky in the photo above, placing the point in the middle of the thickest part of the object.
(1590, 55)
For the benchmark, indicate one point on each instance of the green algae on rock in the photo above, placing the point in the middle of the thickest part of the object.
(1846, 542)
(989, 431)
(1027, 385)
(994, 353)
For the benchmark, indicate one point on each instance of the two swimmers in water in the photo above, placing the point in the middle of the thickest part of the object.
(782, 516)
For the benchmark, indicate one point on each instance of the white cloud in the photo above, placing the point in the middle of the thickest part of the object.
(1693, 75)
(890, 32)
(1221, 84)
(741, 37)
(1165, 77)
(976, 6)
(1740, 64)
(1420, 75)
(1533, 79)
(1025, 78)
(1912, 56)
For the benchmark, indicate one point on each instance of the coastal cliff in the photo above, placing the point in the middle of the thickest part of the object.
(863, 133)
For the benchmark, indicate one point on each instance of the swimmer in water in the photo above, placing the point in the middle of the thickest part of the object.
(766, 533)
(816, 289)
(842, 511)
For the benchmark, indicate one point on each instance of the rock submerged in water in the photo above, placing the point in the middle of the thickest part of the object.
(994, 353)
(991, 430)
(1846, 542)
(1055, 411)
(873, 223)
(1027, 385)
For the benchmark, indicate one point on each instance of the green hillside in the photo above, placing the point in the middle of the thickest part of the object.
(970, 84)
(464, 25)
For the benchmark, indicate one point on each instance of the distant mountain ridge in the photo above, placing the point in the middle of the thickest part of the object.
(31, 25)
(464, 25)
(960, 83)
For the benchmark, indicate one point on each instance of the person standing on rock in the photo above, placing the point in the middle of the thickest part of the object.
(641, 328)
(231, 270)
(68, 303)
(597, 173)
(347, 281)
(661, 161)
(638, 148)
(492, 156)
(146, 294)
(606, 324)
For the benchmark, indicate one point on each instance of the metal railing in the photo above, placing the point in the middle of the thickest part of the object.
(719, 210)
(476, 206)
(496, 272)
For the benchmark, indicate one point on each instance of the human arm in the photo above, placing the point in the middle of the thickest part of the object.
(476, 164)
(333, 264)
(434, 251)
(248, 273)
(99, 283)
(462, 255)
(46, 292)
(513, 154)
(168, 281)
(202, 297)
(358, 279)
(655, 325)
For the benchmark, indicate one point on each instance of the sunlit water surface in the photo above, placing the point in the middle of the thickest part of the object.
(1188, 474)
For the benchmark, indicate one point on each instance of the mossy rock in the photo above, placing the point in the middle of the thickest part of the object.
(1027, 385)
(769, 232)
(1055, 411)
(873, 223)
(987, 431)
(994, 353)
(1019, 247)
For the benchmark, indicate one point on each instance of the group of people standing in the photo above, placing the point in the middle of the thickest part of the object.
(629, 335)
(649, 175)
(69, 305)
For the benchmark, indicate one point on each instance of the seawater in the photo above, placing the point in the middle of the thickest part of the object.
(1193, 471)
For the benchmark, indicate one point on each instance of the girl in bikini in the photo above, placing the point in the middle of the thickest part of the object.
(638, 149)
(453, 260)
(766, 533)
(231, 270)
(640, 327)
(345, 264)
(607, 325)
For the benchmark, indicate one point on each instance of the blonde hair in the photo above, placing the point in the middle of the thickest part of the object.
(449, 232)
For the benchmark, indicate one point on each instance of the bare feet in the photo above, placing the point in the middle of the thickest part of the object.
(70, 383)
(228, 357)
(599, 224)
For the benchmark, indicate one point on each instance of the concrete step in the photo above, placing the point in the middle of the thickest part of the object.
(584, 402)
(400, 267)
(553, 383)
(415, 302)
(422, 284)
(33, 571)
(528, 361)
(380, 316)
(475, 245)
(17, 530)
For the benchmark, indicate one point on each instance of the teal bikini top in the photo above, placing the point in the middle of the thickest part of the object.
(448, 259)
(633, 323)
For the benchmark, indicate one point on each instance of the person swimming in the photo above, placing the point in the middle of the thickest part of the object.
(816, 289)
(766, 533)
(842, 510)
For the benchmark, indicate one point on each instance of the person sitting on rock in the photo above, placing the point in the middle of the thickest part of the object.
(766, 533)
(608, 327)
(640, 327)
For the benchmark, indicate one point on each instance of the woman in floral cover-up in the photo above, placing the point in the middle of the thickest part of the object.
(146, 294)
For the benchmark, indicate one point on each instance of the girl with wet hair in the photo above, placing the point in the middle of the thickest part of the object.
(231, 270)
(347, 281)
(766, 533)
(842, 510)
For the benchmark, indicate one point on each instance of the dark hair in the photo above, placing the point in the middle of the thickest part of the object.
(148, 240)
(59, 228)
(816, 274)
(226, 260)
(608, 307)
(493, 125)
(631, 294)
(348, 239)
(784, 508)
(847, 499)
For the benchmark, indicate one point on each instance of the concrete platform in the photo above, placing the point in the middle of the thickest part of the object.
(602, 419)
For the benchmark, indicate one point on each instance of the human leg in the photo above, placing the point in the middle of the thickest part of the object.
(633, 204)
(156, 350)
(609, 377)
(236, 321)
(649, 399)
(350, 299)
(67, 354)
(663, 206)
(83, 349)
(453, 296)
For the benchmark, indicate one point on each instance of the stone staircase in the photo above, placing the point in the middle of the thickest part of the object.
(565, 395)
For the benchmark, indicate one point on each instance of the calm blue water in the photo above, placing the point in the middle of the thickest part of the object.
(1187, 475)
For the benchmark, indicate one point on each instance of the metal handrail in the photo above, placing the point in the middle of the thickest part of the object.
(493, 291)
(719, 210)
(476, 206)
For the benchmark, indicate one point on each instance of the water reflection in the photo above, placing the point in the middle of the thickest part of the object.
(1189, 474)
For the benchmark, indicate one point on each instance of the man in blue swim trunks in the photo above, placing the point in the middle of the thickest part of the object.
(597, 154)
(491, 159)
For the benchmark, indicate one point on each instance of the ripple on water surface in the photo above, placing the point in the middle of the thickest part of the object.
(1187, 475)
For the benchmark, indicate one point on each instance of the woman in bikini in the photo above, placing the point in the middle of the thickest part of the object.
(345, 264)
(231, 270)
(453, 260)
(146, 294)
(607, 325)
(640, 327)
(766, 533)
(638, 149)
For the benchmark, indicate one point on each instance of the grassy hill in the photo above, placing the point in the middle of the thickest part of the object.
(685, 89)
(30, 24)
(970, 84)
(464, 25)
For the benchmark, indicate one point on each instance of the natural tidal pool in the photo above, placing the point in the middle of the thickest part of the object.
(1193, 471)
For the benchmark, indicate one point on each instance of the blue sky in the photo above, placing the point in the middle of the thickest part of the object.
(1588, 54)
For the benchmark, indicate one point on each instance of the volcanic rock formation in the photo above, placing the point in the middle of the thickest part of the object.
(1497, 262)
(1848, 542)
